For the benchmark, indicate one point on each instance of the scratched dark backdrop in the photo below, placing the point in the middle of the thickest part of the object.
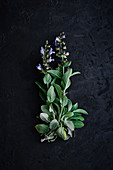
(24, 27)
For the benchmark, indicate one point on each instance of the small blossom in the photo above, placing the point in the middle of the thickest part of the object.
(57, 39)
(51, 51)
(67, 53)
(39, 67)
(42, 50)
(63, 36)
(50, 59)
(47, 67)
(64, 47)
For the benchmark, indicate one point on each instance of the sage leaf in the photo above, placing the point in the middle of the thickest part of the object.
(69, 105)
(52, 83)
(44, 117)
(67, 64)
(42, 128)
(61, 133)
(81, 111)
(64, 101)
(58, 89)
(42, 96)
(66, 77)
(78, 124)
(76, 117)
(41, 86)
(45, 109)
(67, 115)
(74, 107)
(51, 94)
(53, 124)
(69, 124)
(55, 73)
(47, 79)
(75, 73)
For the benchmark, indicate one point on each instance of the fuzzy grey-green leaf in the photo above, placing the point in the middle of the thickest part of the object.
(69, 105)
(51, 94)
(42, 128)
(47, 79)
(81, 111)
(61, 133)
(55, 73)
(53, 124)
(69, 124)
(44, 117)
(58, 89)
(45, 109)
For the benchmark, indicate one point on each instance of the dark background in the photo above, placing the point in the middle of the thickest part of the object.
(24, 27)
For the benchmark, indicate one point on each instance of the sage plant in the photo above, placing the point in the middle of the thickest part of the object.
(59, 116)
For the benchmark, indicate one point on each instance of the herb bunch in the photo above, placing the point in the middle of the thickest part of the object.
(59, 116)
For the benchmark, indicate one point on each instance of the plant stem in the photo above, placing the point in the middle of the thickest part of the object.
(60, 114)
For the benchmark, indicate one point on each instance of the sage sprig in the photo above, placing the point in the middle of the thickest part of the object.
(59, 116)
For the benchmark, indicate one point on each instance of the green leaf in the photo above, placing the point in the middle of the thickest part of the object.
(63, 84)
(64, 101)
(44, 117)
(42, 128)
(65, 110)
(51, 94)
(67, 115)
(69, 124)
(41, 86)
(67, 64)
(76, 117)
(52, 83)
(66, 77)
(42, 96)
(61, 133)
(74, 107)
(53, 124)
(58, 89)
(68, 84)
(81, 111)
(78, 124)
(69, 105)
(45, 109)
(47, 79)
(75, 73)
(55, 73)
(76, 114)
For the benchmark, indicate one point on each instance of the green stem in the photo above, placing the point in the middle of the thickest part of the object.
(60, 114)
(53, 115)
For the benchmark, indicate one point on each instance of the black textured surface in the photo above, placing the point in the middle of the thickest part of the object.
(24, 27)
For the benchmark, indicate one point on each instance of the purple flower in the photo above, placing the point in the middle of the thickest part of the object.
(67, 53)
(39, 67)
(50, 59)
(47, 67)
(42, 50)
(55, 42)
(51, 51)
